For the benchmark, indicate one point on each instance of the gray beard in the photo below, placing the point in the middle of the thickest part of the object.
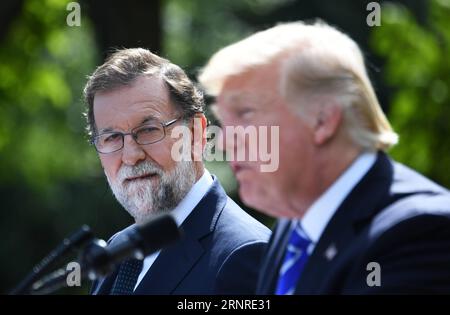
(141, 199)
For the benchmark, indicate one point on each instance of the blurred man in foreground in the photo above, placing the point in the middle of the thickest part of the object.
(135, 102)
(351, 220)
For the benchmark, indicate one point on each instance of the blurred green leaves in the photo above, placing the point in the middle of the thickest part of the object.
(194, 30)
(43, 63)
(418, 67)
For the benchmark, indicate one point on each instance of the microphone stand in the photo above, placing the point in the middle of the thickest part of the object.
(73, 242)
(96, 259)
(95, 262)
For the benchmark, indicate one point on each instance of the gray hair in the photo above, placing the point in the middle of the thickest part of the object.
(124, 66)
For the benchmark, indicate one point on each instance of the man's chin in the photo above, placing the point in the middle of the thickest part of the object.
(141, 216)
(134, 190)
(247, 195)
(251, 197)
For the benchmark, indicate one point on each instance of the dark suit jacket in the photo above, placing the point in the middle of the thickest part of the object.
(394, 217)
(219, 253)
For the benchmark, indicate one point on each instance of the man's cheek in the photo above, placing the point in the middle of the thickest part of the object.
(111, 172)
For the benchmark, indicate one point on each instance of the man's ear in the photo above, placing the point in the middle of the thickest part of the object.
(199, 136)
(328, 120)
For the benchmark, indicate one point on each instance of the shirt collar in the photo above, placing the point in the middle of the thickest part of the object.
(321, 211)
(193, 197)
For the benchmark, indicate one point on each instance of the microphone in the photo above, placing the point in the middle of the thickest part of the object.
(97, 259)
(74, 241)
(139, 242)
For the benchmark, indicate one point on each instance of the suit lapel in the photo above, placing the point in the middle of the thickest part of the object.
(368, 197)
(271, 266)
(103, 286)
(179, 258)
(174, 263)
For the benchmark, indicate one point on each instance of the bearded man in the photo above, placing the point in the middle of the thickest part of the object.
(135, 100)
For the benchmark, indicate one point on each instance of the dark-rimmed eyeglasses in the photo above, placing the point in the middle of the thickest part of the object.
(148, 133)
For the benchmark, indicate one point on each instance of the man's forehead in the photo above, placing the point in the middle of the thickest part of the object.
(124, 115)
(113, 107)
(246, 98)
(146, 119)
(255, 84)
(145, 89)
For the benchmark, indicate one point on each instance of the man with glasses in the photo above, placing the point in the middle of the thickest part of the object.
(135, 100)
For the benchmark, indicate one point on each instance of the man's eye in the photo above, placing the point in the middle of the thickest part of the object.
(148, 129)
(112, 137)
(245, 112)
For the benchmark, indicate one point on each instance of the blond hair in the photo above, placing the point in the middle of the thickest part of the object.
(315, 60)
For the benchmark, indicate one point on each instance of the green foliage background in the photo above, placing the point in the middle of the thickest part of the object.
(418, 66)
(50, 179)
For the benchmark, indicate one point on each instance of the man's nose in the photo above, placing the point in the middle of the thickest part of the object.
(132, 152)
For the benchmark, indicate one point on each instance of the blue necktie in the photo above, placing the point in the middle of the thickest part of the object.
(296, 256)
(127, 277)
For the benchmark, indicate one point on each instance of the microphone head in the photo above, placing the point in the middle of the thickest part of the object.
(156, 233)
(80, 237)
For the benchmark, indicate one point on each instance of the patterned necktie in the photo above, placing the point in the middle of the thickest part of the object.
(127, 276)
(296, 256)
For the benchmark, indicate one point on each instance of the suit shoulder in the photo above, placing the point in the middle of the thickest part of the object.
(237, 240)
(236, 227)
(421, 211)
(407, 180)
(413, 198)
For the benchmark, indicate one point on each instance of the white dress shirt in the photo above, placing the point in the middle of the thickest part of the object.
(180, 213)
(322, 210)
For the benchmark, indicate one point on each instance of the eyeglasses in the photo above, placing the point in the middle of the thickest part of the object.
(148, 133)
